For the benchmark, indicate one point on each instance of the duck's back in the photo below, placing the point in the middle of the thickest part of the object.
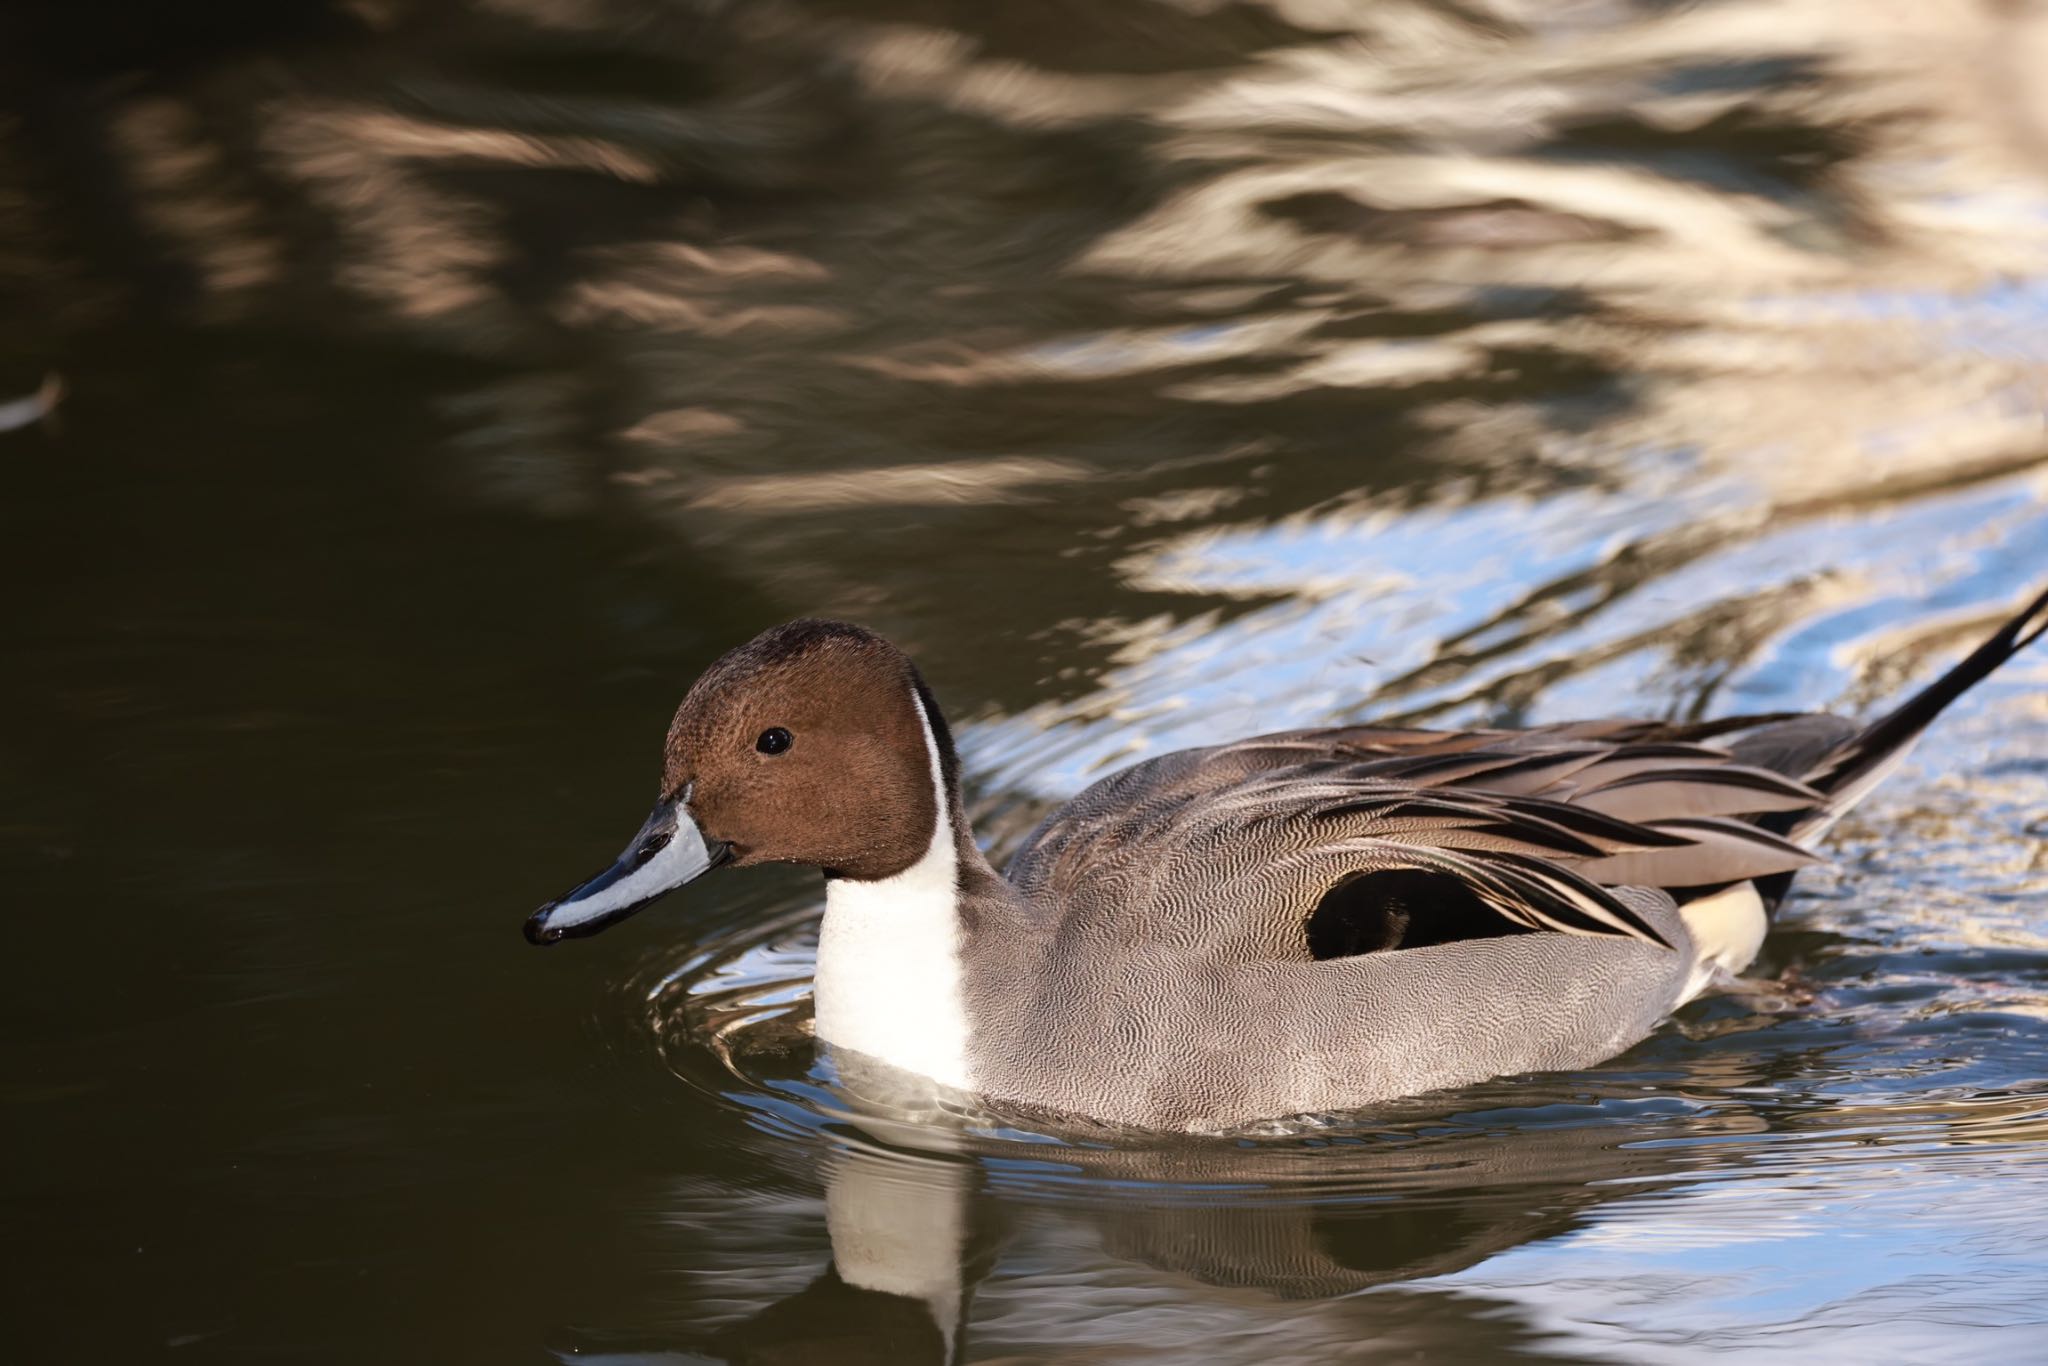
(1260, 850)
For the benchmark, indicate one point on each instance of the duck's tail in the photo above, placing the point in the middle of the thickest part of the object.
(1852, 768)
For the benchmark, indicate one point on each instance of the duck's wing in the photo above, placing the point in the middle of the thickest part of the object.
(1319, 843)
(1335, 842)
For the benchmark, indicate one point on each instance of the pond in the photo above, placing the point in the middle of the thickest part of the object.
(414, 397)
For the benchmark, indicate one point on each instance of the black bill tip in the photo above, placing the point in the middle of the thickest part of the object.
(537, 929)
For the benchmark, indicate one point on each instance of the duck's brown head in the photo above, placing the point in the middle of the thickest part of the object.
(814, 743)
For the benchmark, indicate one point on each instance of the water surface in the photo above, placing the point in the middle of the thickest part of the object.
(443, 386)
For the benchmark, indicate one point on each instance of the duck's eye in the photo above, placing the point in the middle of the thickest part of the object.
(774, 740)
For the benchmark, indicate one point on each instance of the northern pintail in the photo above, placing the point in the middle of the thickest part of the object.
(1299, 922)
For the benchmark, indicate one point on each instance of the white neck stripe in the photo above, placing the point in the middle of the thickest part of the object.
(889, 978)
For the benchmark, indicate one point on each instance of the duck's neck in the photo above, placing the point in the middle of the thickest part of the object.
(891, 980)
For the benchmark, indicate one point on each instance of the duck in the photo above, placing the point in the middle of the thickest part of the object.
(1298, 923)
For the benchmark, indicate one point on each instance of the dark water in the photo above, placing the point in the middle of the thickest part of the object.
(444, 385)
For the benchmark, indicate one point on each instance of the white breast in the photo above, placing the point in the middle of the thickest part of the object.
(888, 982)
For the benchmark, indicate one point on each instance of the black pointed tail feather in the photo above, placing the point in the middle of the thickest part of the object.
(1846, 772)
(1849, 770)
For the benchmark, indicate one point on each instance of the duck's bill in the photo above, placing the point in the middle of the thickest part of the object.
(669, 851)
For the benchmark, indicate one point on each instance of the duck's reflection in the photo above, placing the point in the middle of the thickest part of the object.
(906, 1256)
(945, 1248)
